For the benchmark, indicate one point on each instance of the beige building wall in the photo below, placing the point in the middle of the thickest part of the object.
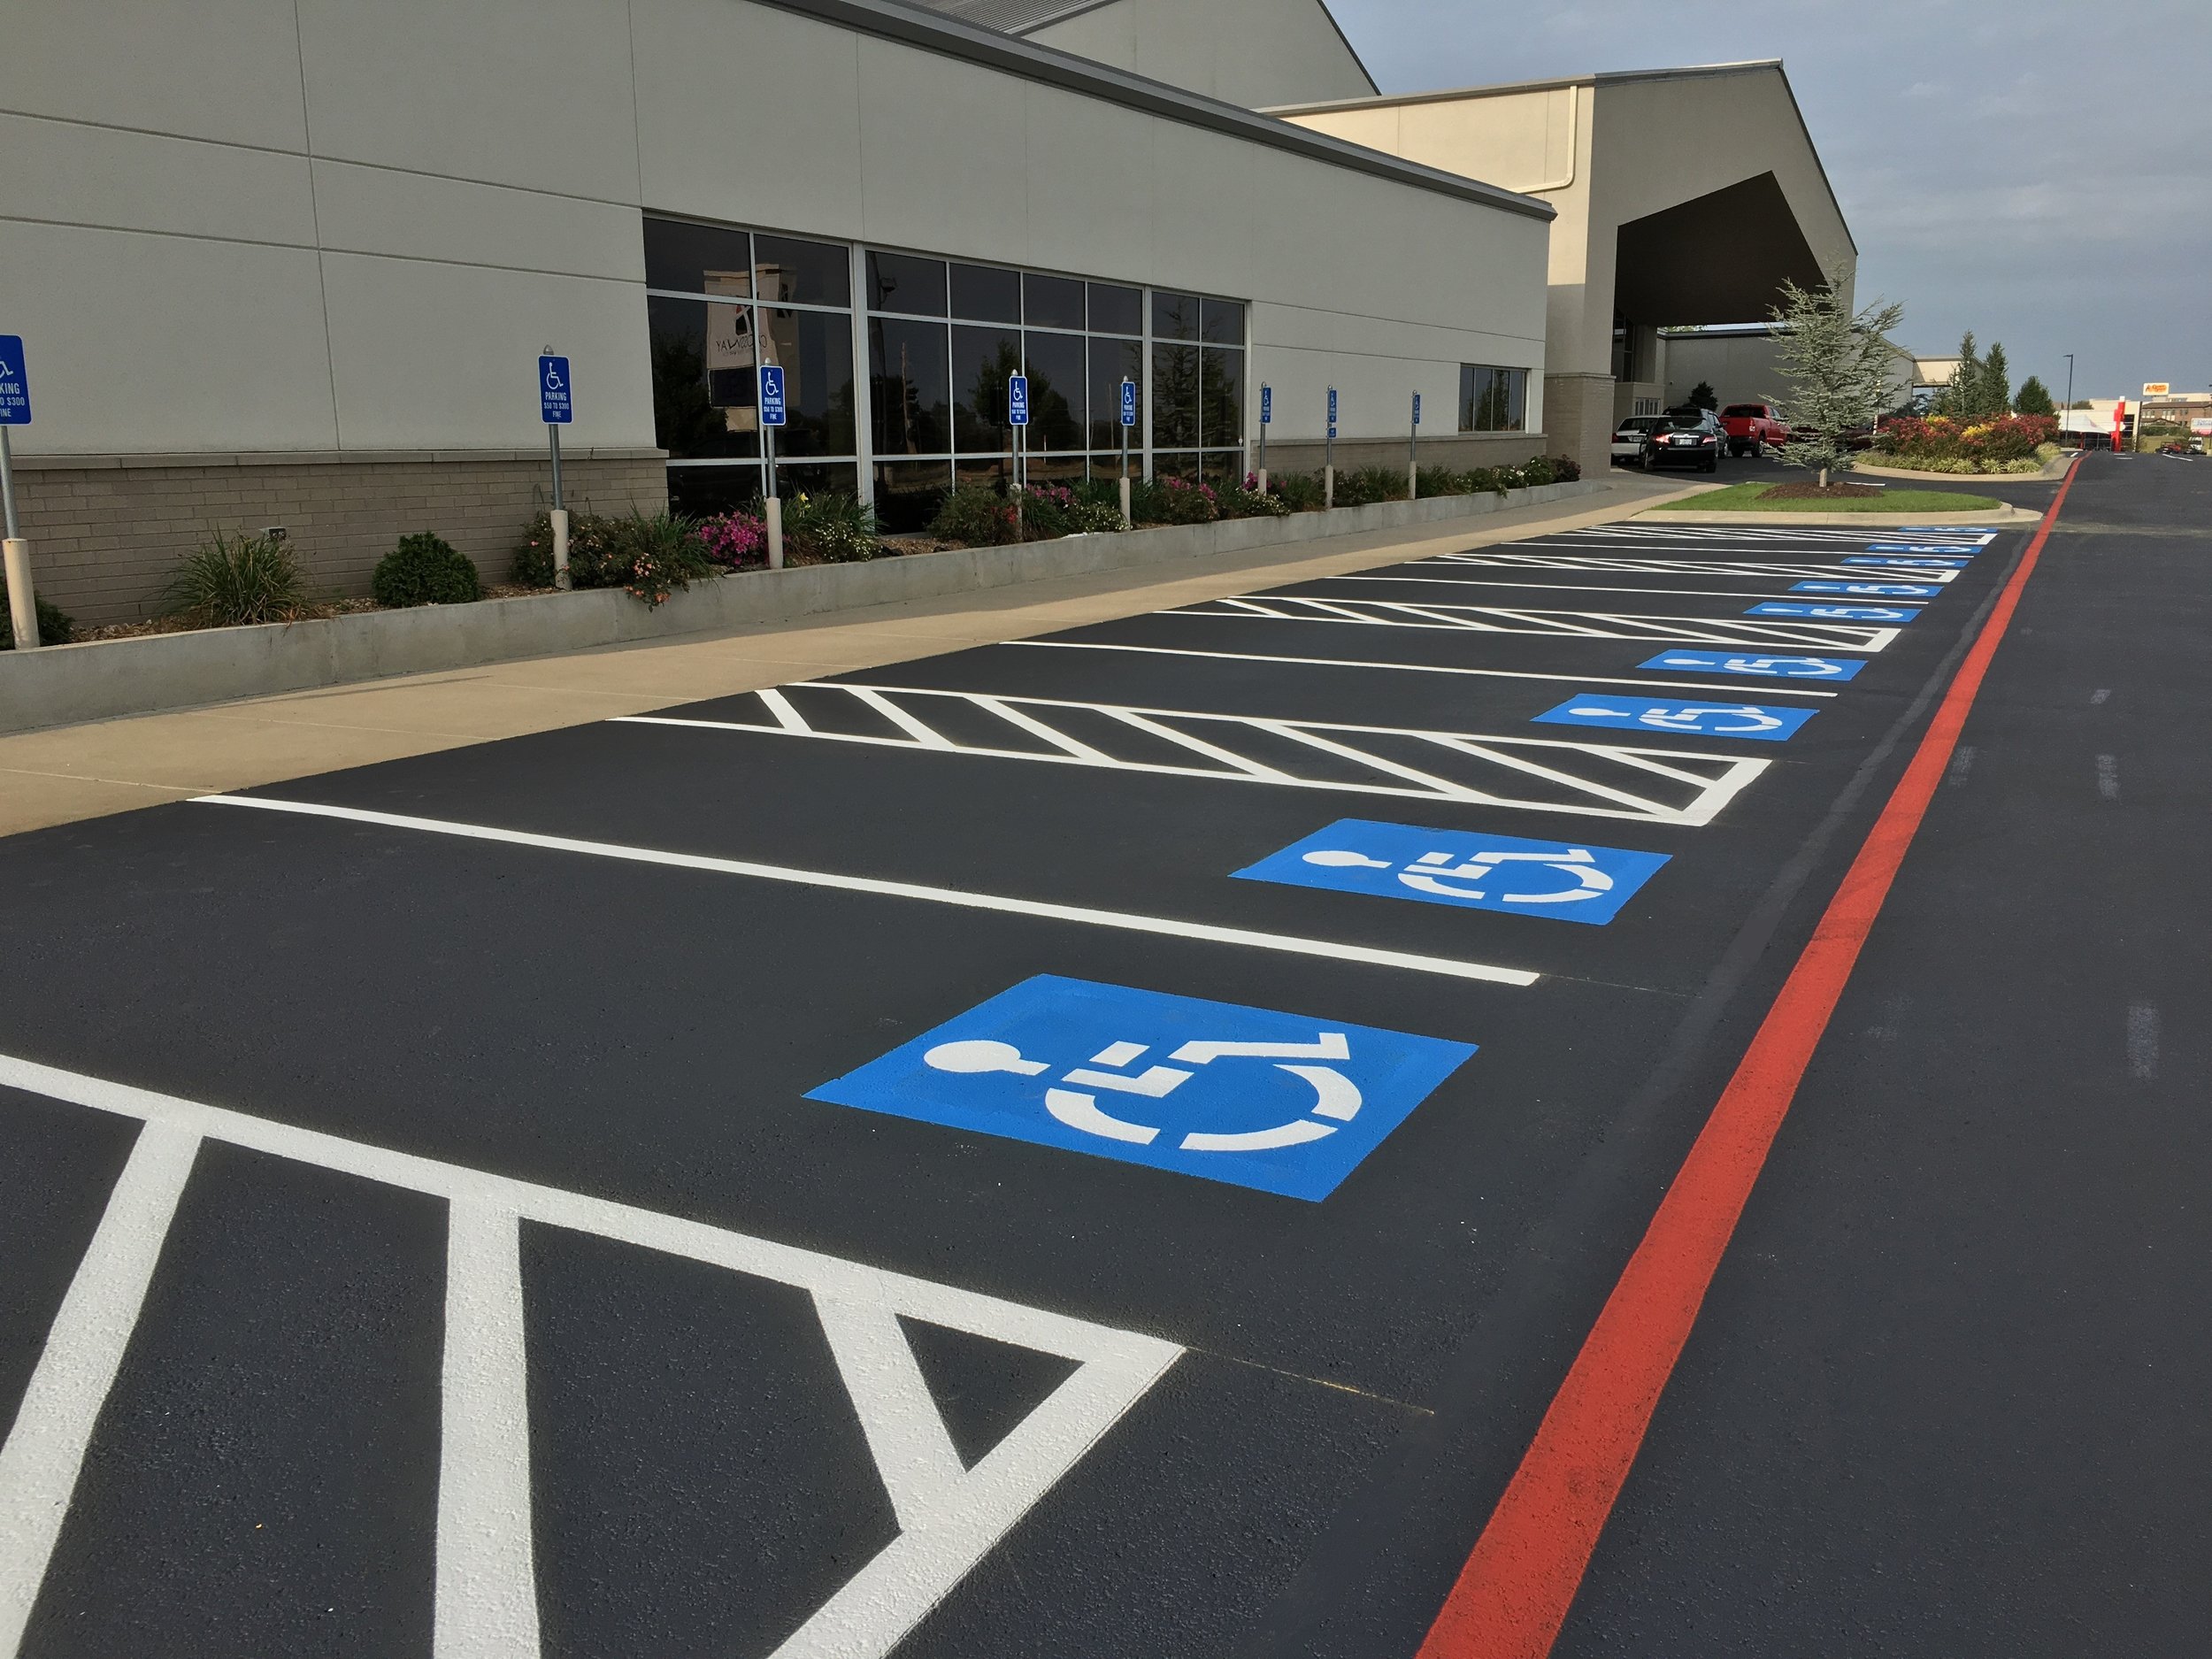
(344, 232)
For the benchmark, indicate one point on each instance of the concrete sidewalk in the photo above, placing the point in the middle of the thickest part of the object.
(64, 774)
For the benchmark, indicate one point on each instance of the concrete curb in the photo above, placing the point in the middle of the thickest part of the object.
(2054, 468)
(63, 684)
(1872, 520)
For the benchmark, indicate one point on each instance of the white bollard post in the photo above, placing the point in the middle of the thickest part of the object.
(1124, 501)
(559, 515)
(22, 603)
(1263, 480)
(1328, 487)
(774, 506)
(1413, 481)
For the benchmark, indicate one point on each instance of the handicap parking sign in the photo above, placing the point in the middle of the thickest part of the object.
(1870, 590)
(1767, 667)
(1836, 613)
(1924, 562)
(1276, 1101)
(1701, 719)
(1566, 881)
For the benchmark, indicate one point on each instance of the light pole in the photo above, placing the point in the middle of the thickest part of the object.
(2067, 414)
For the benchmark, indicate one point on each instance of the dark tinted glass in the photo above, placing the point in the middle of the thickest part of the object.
(1052, 302)
(1224, 321)
(704, 387)
(985, 293)
(911, 386)
(1183, 465)
(902, 283)
(909, 493)
(1175, 395)
(1174, 316)
(1111, 362)
(1490, 400)
(834, 478)
(812, 272)
(1055, 391)
(816, 349)
(700, 492)
(1221, 397)
(1116, 310)
(1743, 410)
(679, 256)
(981, 360)
(1222, 466)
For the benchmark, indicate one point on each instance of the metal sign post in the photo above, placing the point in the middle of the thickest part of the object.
(1267, 420)
(1128, 421)
(557, 407)
(1328, 468)
(15, 410)
(772, 415)
(1018, 419)
(1413, 452)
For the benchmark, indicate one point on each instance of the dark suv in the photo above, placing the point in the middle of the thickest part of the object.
(1690, 437)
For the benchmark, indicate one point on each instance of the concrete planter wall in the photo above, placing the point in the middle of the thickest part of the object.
(63, 684)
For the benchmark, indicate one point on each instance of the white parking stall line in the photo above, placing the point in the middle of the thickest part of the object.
(1125, 921)
(1411, 668)
(1247, 748)
(45, 1450)
(948, 1517)
(1597, 625)
(1645, 530)
(1635, 564)
(1587, 588)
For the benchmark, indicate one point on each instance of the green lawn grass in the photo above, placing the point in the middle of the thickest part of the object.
(1753, 498)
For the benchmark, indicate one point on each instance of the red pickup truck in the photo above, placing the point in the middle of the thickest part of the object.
(1752, 427)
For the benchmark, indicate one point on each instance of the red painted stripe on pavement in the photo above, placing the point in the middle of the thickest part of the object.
(1513, 1595)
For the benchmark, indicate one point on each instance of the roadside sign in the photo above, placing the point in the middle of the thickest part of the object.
(1764, 667)
(1870, 590)
(772, 404)
(1755, 720)
(1247, 1096)
(1333, 411)
(2156, 389)
(1018, 399)
(1417, 409)
(1564, 882)
(557, 405)
(1267, 405)
(1838, 613)
(1128, 402)
(15, 385)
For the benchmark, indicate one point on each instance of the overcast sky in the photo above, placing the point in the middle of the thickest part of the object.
(2040, 174)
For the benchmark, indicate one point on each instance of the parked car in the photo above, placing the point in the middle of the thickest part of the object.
(1691, 437)
(1632, 437)
(2178, 447)
(1748, 428)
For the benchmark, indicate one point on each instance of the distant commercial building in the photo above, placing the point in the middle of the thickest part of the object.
(1742, 364)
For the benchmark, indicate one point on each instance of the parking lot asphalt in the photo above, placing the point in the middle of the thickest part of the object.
(1105, 1144)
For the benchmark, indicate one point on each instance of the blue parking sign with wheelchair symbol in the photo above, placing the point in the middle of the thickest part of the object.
(1277, 1101)
(1563, 881)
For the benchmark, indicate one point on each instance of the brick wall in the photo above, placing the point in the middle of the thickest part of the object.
(106, 532)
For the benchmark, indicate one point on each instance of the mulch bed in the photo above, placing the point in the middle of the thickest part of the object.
(1813, 492)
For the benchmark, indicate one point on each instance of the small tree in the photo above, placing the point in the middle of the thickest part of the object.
(1956, 400)
(1837, 366)
(1993, 387)
(1703, 396)
(2034, 398)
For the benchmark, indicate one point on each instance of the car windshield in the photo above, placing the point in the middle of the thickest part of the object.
(1750, 411)
(1641, 422)
(1687, 423)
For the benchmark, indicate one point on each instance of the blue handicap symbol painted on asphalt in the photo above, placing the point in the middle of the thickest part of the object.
(1836, 613)
(1871, 590)
(1277, 1101)
(1767, 667)
(1980, 531)
(1957, 549)
(1926, 561)
(1700, 719)
(1566, 881)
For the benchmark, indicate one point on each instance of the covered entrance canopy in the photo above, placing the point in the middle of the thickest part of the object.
(1685, 196)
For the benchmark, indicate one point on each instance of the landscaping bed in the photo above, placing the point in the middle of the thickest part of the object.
(1755, 497)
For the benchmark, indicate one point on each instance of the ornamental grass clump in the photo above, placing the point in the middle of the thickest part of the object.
(237, 580)
(829, 529)
(56, 627)
(662, 551)
(424, 570)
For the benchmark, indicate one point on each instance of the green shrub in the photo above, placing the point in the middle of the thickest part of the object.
(1173, 501)
(1441, 481)
(56, 627)
(234, 581)
(1047, 511)
(1539, 470)
(1493, 481)
(1238, 503)
(596, 557)
(829, 529)
(660, 553)
(1368, 485)
(1299, 492)
(975, 515)
(424, 570)
(1094, 516)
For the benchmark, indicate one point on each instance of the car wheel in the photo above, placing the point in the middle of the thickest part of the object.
(1713, 465)
(1755, 449)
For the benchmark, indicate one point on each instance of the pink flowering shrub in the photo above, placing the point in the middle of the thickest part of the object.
(735, 542)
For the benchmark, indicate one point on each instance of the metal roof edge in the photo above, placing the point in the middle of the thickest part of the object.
(911, 25)
(1074, 9)
(1499, 89)
(1358, 62)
